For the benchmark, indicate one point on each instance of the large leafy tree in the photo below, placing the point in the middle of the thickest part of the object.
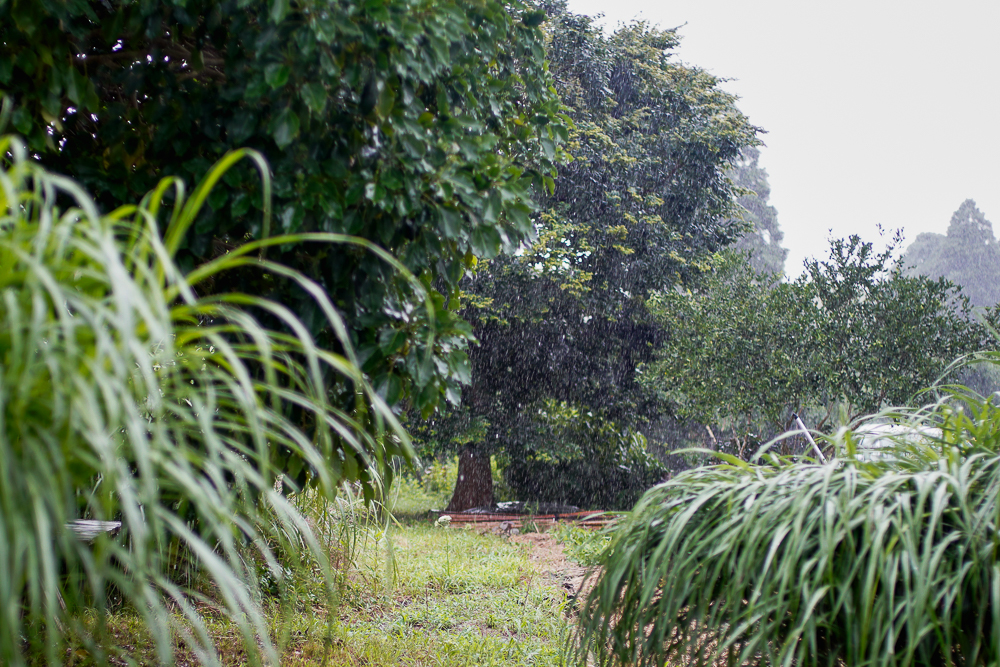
(850, 336)
(968, 255)
(421, 126)
(644, 204)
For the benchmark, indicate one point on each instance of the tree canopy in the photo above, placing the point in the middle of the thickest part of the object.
(644, 203)
(763, 240)
(850, 336)
(421, 126)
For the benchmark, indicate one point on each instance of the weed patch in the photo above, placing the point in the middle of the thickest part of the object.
(582, 545)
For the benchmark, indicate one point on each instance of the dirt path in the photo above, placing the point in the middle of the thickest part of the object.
(550, 559)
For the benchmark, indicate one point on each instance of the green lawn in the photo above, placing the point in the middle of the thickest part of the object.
(411, 593)
(418, 594)
(449, 597)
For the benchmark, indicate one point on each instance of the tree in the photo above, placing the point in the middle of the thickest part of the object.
(421, 126)
(968, 255)
(850, 336)
(562, 324)
(763, 241)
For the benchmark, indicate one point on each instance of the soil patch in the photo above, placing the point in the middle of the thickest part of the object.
(549, 557)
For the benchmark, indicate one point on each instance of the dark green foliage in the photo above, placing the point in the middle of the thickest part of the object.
(763, 241)
(738, 357)
(609, 478)
(850, 563)
(852, 335)
(421, 126)
(644, 203)
(586, 461)
(967, 256)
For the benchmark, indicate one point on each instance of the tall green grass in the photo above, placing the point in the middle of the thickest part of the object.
(127, 395)
(892, 562)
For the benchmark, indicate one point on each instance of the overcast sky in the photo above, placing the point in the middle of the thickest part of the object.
(876, 112)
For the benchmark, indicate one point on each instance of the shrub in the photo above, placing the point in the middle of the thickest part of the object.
(126, 396)
(891, 562)
(583, 545)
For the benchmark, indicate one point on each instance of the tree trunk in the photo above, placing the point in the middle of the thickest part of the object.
(474, 486)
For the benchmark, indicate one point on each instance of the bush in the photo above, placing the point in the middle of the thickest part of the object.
(891, 562)
(125, 396)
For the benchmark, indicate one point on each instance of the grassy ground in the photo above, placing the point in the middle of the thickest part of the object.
(412, 593)
(458, 598)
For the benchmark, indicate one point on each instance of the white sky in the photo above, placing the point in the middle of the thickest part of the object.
(877, 112)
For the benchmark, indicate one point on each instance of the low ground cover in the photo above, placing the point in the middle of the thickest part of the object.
(582, 545)
(449, 597)
(411, 593)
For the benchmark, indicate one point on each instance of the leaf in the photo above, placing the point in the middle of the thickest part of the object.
(485, 242)
(421, 366)
(314, 95)
(240, 206)
(217, 198)
(279, 9)
(491, 212)
(453, 394)
(241, 126)
(458, 362)
(76, 87)
(392, 340)
(451, 223)
(290, 218)
(328, 64)
(276, 75)
(518, 215)
(394, 389)
(21, 120)
(549, 148)
(369, 95)
(560, 132)
(533, 19)
(386, 101)
(255, 88)
(285, 127)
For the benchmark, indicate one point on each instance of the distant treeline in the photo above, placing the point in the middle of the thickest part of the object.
(967, 255)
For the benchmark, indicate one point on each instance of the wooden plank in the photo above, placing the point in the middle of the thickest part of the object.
(585, 519)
